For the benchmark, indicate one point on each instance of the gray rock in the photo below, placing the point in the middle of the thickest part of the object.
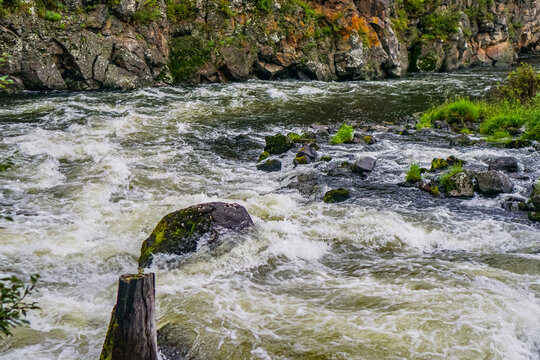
(493, 182)
(179, 232)
(507, 163)
(460, 185)
(125, 9)
(363, 165)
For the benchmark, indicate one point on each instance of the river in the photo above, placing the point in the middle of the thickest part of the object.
(392, 273)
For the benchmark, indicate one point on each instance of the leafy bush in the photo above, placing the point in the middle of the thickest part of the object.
(180, 9)
(264, 6)
(53, 16)
(445, 178)
(147, 13)
(522, 85)
(12, 307)
(345, 133)
(187, 54)
(414, 173)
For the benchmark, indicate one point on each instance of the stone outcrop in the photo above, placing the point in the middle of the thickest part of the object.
(131, 43)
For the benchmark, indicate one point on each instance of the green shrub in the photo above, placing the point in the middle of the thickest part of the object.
(414, 173)
(345, 133)
(147, 13)
(53, 16)
(445, 178)
(522, 85)
(187, 55)
(264, 6)
(509, 123)
(180, 10)
(12, 307)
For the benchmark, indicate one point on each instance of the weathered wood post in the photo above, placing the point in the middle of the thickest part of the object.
(132, 330)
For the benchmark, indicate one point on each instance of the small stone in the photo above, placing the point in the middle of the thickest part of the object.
(265, 155)
(326, 158)
(271, 165)
(301, 160)
(337, 195)
(369, 140)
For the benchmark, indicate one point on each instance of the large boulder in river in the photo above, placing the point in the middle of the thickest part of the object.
(493, 182)
(179, 232)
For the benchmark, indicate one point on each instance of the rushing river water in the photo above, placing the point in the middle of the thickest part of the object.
(392, 273)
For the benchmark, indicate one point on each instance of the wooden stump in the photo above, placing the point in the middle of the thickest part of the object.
(132, 330)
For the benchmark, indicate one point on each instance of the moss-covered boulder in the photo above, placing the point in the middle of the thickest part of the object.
(459, 185)
(277, 144)
(336, 195)
(179, 232)
(301, 160)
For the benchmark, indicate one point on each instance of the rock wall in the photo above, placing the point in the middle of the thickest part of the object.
(84, 44)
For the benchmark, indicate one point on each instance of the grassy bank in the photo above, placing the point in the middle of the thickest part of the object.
(514, 113)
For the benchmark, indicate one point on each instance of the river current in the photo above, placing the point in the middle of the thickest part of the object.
(392, 273)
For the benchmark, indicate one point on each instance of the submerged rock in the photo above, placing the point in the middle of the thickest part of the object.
(460, 185)
(271, 165)
(179, 232)
(277, 144)
(493, 182)
(505, 163)
(336, 195)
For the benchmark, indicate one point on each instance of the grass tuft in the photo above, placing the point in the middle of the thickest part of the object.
(345, 133)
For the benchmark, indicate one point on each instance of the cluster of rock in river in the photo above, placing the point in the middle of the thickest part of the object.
(445, 177)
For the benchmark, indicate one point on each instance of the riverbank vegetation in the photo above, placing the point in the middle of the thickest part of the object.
(515, 112)
(13, 308)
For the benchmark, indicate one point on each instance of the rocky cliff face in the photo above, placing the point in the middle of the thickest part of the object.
(84, 44)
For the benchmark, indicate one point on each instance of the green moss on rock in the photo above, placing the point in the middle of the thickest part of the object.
(264, 155)
(277, 144)
(178, 232)
(336, 195)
